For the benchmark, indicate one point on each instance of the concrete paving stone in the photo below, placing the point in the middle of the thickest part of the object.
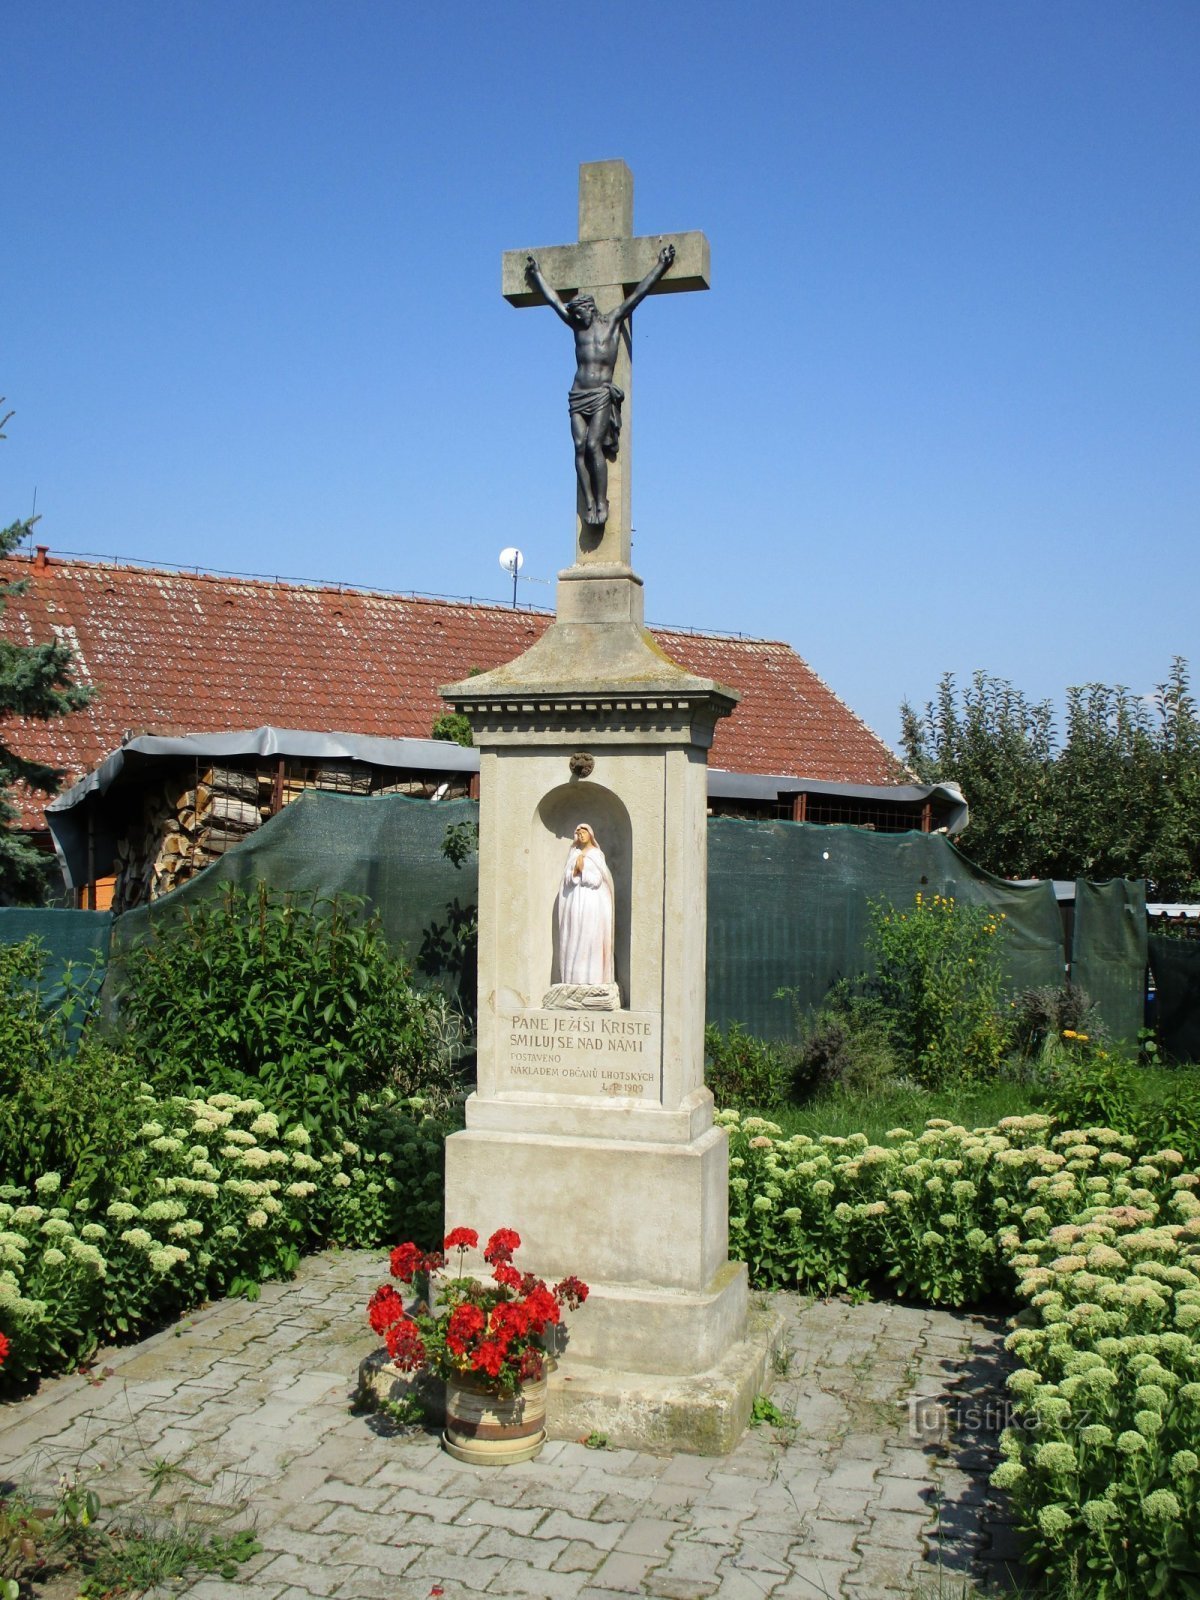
(331, 1492)
(317, 1577)
(562, 1525)
(432, 1568)
(554, 1499)
(906, 1494)
(515, 1519)
(625, 1572)
(389, 1556)
(342, 1519)
(664, 1587)
(648, 1536)
(578, 1557)
(519, 1547)
(517, 1578)
(897, 1530)
(726, 1490)
(906, 1461)
(765, 1552)
(688, 1469)
(735, 1584)
(694, 1559)
(365, 1583)
(617, 1508)
(612, 1483)
(850, 1475)
(848, 1505)
(815, 1578)
(454, 1539)
(823, 1538)
(218, 1589)
(712, 1524)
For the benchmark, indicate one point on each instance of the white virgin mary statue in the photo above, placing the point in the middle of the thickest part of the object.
(585, 913)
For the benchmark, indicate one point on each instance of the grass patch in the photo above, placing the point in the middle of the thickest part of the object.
(842, 1112)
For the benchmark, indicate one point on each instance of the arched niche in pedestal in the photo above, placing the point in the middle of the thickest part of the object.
(558, 814)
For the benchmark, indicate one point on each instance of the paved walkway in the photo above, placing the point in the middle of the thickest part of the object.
(241, 1411)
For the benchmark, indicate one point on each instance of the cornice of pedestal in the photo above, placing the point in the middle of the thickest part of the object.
(595, 660)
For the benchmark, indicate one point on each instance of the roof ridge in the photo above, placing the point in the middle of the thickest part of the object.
(139, 568)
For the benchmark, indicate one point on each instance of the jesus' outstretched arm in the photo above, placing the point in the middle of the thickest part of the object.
(665, 257)
(534, 273)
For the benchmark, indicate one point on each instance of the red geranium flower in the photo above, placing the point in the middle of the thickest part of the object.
(509, 1321)
(405, 1260)
(462, 1239)
(384, 1308)
(489, 1358)
(466, 1323)
(501, 1245)
(508, 1277)
(541, 1308)
(571, 1292)
(405, 1345)
(5, 1347)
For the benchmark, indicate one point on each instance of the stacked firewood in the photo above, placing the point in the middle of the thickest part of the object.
(189, 820)
(184, 829)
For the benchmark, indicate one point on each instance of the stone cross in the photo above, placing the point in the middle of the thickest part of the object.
(607, 262)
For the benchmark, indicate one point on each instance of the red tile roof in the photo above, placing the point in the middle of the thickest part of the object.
(184, 652)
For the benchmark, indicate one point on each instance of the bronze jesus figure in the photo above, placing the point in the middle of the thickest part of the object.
(595, 400)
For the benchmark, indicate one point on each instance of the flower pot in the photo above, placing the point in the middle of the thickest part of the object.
(494, 1430)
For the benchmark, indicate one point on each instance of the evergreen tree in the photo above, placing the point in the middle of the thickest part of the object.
(35, 681)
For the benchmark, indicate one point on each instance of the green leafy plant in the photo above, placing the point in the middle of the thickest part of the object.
(452, 727)
(846, 1045)
(940, 981)
(743, 1071)
(1039, 1017)
(290, 997)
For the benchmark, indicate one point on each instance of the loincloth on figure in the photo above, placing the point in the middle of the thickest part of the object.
(590, 402)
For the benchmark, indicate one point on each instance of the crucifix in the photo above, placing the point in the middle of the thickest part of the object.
(593, 286)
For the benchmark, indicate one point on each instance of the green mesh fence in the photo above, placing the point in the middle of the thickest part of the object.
(75, 939)
(78, 939)
(1175, 964)
(789, 908)
(1108, 952)
(788, 903)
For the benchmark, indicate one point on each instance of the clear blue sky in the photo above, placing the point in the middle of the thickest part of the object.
(939, 410)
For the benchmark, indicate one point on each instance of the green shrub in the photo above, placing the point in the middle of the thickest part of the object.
(288, 997)
(846, 1045)
(1039, 1017)
(940, 980)
(743, 1071)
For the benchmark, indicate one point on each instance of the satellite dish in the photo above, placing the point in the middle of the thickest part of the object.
(512, 561)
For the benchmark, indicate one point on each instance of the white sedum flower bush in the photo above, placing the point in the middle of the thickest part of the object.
(1100, 1244)
(224, 1200)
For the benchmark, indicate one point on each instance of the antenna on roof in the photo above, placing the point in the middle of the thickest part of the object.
(512, 561)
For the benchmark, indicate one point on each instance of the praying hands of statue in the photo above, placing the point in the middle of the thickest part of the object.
(577, 870)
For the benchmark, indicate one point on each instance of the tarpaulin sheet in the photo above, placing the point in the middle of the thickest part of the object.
(384, 848)
(1108, 952)
(789, 908)
(1175, 964)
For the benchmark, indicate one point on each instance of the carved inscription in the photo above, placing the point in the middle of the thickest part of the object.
(609, 1053)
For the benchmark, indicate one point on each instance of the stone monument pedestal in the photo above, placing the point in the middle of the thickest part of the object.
(591, 1132)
